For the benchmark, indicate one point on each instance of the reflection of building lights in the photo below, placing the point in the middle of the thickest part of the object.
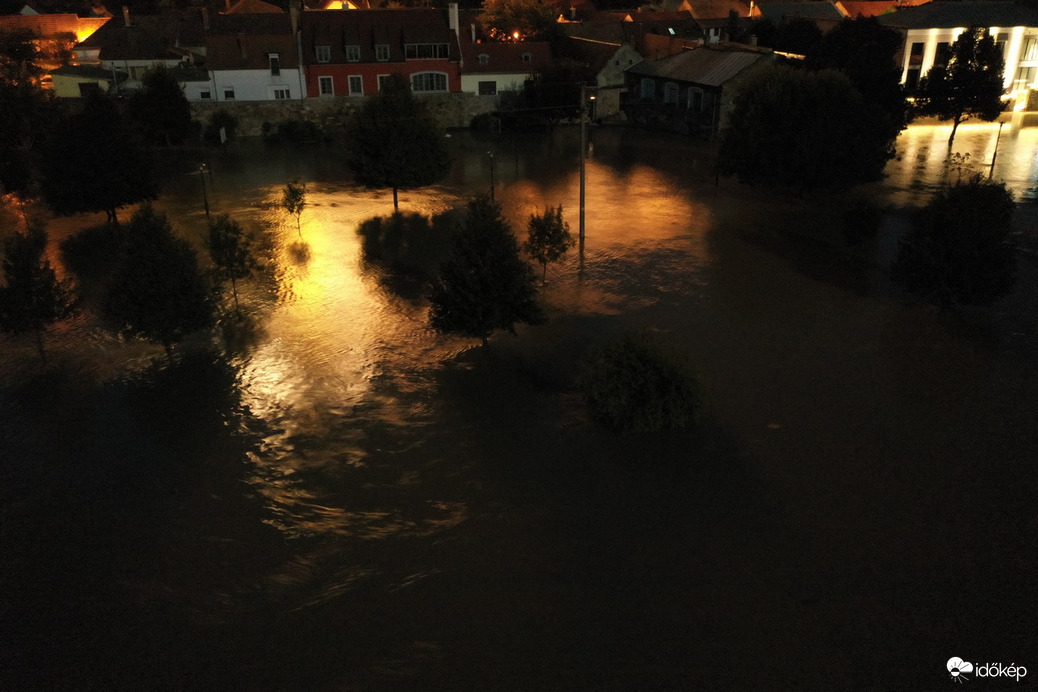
(515, 35)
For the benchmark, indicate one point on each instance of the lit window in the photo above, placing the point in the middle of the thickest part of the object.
(353, 53)
(325, 86)
(428, 81)
(356, 85)
(324, 53)
(382, 52)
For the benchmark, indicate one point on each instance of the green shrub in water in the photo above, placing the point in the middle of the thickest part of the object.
(634, 386)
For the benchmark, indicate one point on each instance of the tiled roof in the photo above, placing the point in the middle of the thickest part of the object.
(709, 65)
(807, 10)
(504, 57)
(46, 25)
(243, 42)
(368, 28)
(148, 37)
(253, 7)
(873, 8)
(949, 15)
(719, 9)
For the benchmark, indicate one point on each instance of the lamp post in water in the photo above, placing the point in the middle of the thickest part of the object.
(584, 97)
(202, 169)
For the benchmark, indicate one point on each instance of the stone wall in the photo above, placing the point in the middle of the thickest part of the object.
(331, 114)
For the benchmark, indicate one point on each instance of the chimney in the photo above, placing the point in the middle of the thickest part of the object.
(572, 13)
(293, 13)
(452, 11)
(205, 18)
(473, 28)
(126, 16)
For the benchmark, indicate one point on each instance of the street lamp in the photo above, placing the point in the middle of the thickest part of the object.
(583, 155)
(491, 154)
(202, 170)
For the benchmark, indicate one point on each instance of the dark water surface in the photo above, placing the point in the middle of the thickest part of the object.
(349, 501)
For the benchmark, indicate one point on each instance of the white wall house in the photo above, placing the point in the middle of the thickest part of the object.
(928, 29)
(251, 57)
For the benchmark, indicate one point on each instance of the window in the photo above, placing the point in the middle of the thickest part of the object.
(282, 94)
(228, 94)
(382, 78)
(275, 63)
(356, 85)
(324, 53)
(324, 86)
(418, 51)
(352, 53)
(915, 57)
(670, 93)
(1030, 51)
(429, 81)
(205, 95)
(526, 58)
(942, 54)
(648, 89)
(483, 58)
(488, 88)
(382, 52)
(695, 99)
(912, 78)
(1024, 77)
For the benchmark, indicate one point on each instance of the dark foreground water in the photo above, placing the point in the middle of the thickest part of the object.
(347, 501)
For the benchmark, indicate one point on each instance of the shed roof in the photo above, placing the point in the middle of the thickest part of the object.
(710, 65)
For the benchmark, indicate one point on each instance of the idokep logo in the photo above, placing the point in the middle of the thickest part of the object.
(959, 668)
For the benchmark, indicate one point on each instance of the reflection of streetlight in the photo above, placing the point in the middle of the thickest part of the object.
(202, 170)
(491, 153)
(995, 155)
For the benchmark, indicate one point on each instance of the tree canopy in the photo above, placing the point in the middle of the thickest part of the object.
(26, 111)
(530, 19)
(96, 163)
(864, 50)
(157, 291)
(959, 249)
(548, 238)
(966, 82)
(161, 107)
(231, 251)
(805, 130)
(31, 296)
(484, 285)
(393, 141)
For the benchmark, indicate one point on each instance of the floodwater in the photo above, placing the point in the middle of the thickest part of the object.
(348, 501)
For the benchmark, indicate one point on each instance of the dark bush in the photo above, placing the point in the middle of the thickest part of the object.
(220, 118)
(409, 243)
(635, 386)
(300, 131)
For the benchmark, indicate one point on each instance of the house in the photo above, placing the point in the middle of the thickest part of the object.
(608, 62)
(489, 68)
(824, 15)
(693, 90)
(642, 30)
(135, 44)
(931, 28)
(52, 26)
(252, 57)
(712, 16)
(349, 52)
(77, 81)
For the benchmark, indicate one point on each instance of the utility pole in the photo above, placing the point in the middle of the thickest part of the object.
(491, 153)
(205, 195)
(583, 156)
(991, 172)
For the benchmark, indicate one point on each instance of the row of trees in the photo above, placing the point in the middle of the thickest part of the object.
(832, 123)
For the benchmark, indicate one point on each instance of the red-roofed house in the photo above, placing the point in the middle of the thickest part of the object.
(489, 68)
(349, 52)
(253, 57)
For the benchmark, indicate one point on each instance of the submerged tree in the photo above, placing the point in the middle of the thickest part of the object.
(517, 20)
(231, 250)
(484, 285)
(26, 109)
(293, 200)
(548, 238)
(960, 248)
(95, 163)
(806, 130)
(394, 142)
(31, 296)
(966, 82)
(157, 292)
(161, 107)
